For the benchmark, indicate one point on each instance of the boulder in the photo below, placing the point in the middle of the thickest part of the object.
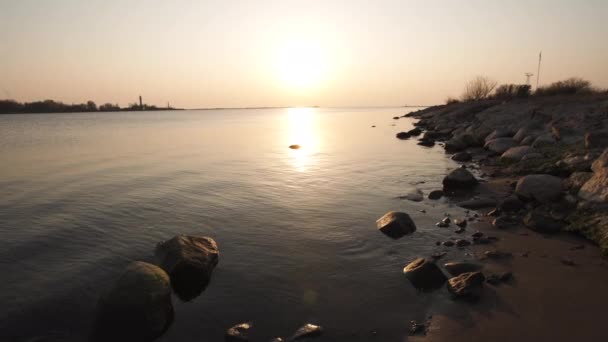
(531, 156)
(424, 274)
(576, 181)
(521, 134)
(511, 204)
(499, 133)
(396, 224)
(459, 178)
(306, 331)
(189, 261)
(543, 188)
(541, 220)
(500, 145)
(527, 140)
(238, 333)
(403, 135)
(426, 142)
(546, 139)
(596, 188)
(435, 194)
(137, 308)
(466, 285)
(596, 139)
(459, 142)
(516, 153)
(415, 132)
(462, 157)
(458, 268)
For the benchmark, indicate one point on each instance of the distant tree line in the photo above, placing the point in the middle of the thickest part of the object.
(50, 106)
(481, 88)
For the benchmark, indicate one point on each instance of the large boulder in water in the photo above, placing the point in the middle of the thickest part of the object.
(459, 178)
(137, 308)
(500, 145)
(189, 261)
(396, 224)
(543, 188)
(596, 188)
(424, 274)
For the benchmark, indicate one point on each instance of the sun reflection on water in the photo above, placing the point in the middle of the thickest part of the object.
(302, 129)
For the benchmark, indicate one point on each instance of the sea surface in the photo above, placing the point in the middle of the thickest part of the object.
(82, 195)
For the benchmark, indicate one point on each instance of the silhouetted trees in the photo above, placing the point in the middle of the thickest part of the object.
(50, 106)
(478, 88)
(511, 91)
(573, 85)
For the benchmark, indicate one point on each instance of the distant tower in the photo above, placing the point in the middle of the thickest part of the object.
(141, 104)
(528, 75)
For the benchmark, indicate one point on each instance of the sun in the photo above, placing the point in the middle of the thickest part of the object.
(301, 65)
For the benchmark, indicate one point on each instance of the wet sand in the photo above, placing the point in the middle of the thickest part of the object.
(547, 300)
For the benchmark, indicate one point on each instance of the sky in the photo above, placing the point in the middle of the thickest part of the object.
(226, 53)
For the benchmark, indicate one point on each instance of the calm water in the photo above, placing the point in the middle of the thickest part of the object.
(85, 194)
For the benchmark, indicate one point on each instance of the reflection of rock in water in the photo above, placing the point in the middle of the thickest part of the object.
(137, 309)
(189, 261)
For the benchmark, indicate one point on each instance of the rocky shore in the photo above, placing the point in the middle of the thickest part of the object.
(536, 173)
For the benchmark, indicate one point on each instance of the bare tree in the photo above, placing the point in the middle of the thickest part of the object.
(478, 88)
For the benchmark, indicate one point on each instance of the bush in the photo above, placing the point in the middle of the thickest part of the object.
(573, 85)
(511, 91)
(450, 100)
(478, 89)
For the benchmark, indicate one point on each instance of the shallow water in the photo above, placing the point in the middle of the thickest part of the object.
(85, 194)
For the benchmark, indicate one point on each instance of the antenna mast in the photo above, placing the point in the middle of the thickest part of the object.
(528, 75)
(540, 56)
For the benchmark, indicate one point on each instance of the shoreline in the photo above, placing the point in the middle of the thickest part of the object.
(557, 290)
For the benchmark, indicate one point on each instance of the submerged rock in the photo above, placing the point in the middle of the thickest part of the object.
(396, 224)
(415, 131)
(238, 333)
(307, 330)
(137, 308)
(189, 261)
(543, 188)
(424, 275)
(294, 147)
(415, 195)
(466, 285)
(426, 142)
(459, 178)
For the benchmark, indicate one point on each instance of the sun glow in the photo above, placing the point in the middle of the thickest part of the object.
(301, 65)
